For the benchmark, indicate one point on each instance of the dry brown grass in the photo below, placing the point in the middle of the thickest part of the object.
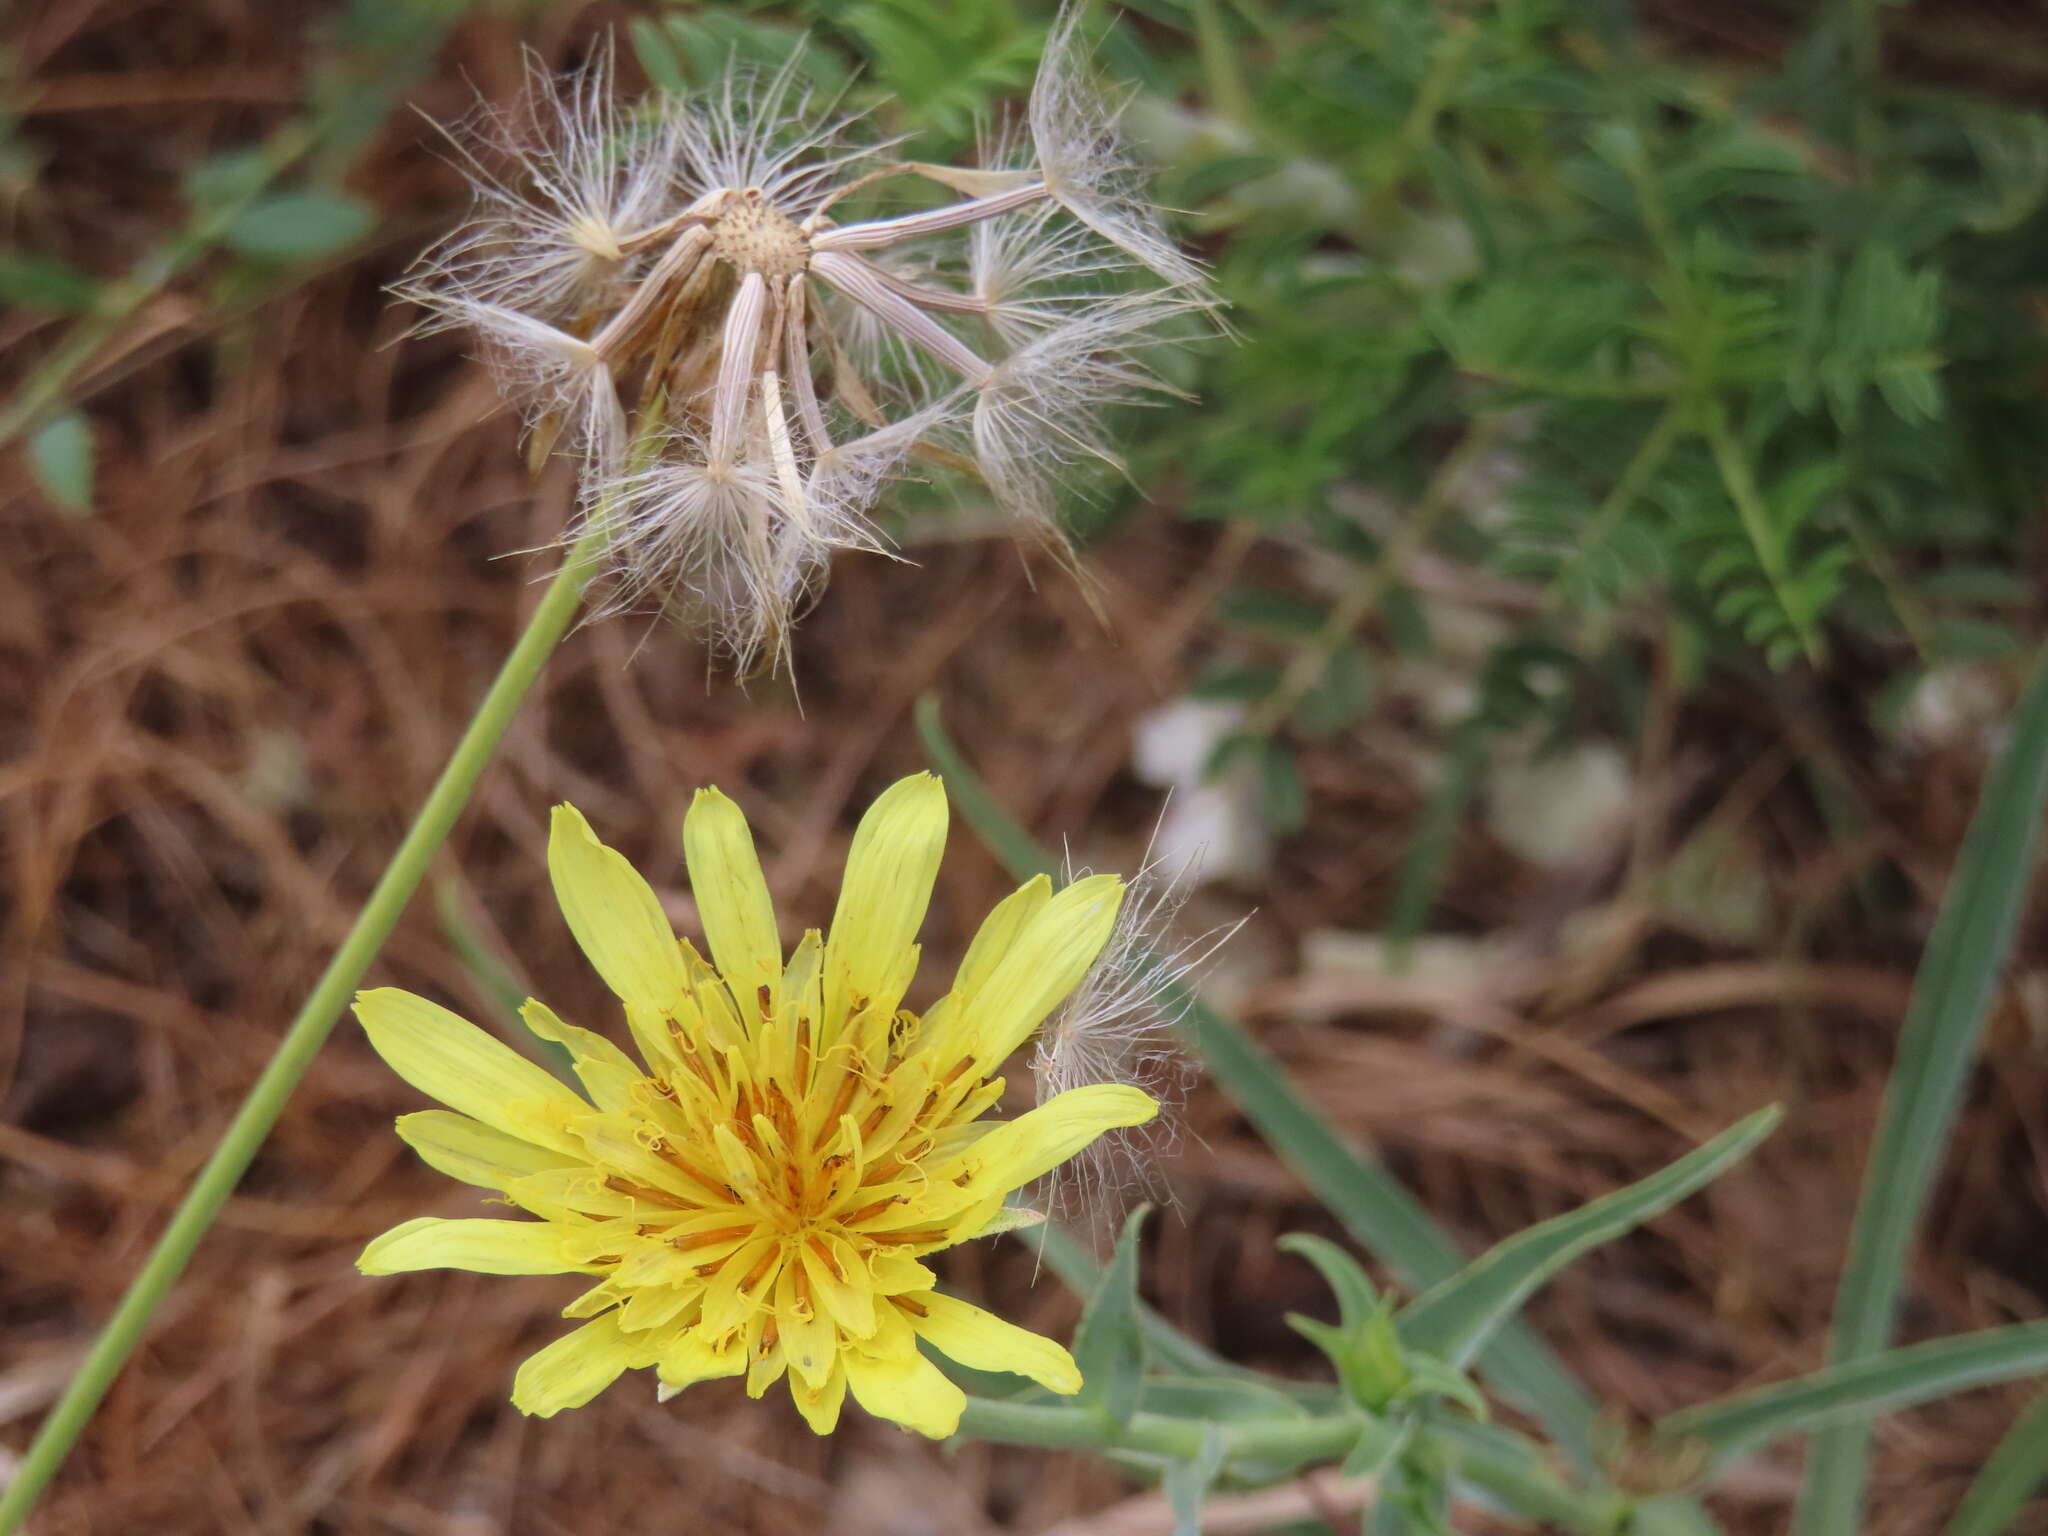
(225, 691)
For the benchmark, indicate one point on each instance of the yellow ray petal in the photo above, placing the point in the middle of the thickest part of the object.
(809, 1341)
(601, 1297)
(487, 1247)
(732, 898)
(882, 899)
(766, 1363)
(1041, 966)
(1010, 1218)
(576, 1367)
(473, 1152)
(987, 1343)
(443, 1055)
(1019, 1150)
(654, 1308)
(615, 915)
(820, 1405)
(701, 1356)
(840, 1280)
(999, 932)
(897, 1273)
(907, 1389)
(606, 1072)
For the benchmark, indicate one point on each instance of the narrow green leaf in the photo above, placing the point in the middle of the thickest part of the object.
(1357, 1297)
(45, 283)
(1276, 615)
(1222, 65)
(2008, 1482)
(1377, 1450)
(1187, 1483)
(658, 56)
(1341, 696)
(1283, 800)
(62, 456)
(1373, 1206)
(1454, 1321)
(230, 177)
(1241, 684)
(1221, 1398)
(1860, 1390)
(1967, 950)
(1108, 1346)
(300, 226)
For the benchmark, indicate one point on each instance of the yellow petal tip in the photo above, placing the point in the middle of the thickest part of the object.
(566, 818)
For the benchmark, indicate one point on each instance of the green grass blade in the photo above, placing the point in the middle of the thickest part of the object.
(1860, 1390)
(1374, 1208)
(1456, 1319)
(2007, 1482)
(1968, 948)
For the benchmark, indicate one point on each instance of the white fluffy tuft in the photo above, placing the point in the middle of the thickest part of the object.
(1121, 1026)
(665, 290)
(1081, 155)
(563, 183)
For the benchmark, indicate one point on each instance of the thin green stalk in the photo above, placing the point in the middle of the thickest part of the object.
(1295, 1442)
(1756, 522)
(1648, 458)
(294, 1054)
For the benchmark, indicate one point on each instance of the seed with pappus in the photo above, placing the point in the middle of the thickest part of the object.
(757, 1194)
(673, 291)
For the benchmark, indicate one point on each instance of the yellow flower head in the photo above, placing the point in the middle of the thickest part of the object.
(757, 1199)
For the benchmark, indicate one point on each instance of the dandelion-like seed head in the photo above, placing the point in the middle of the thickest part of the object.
(756, 1194)
(674, 292)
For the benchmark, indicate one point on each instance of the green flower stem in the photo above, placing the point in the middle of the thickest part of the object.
(1291, 1441)
(295, 1052)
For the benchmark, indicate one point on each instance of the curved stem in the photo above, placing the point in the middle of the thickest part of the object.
(315, 1021)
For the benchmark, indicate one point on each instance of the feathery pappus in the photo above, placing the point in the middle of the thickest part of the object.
(675, 291)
